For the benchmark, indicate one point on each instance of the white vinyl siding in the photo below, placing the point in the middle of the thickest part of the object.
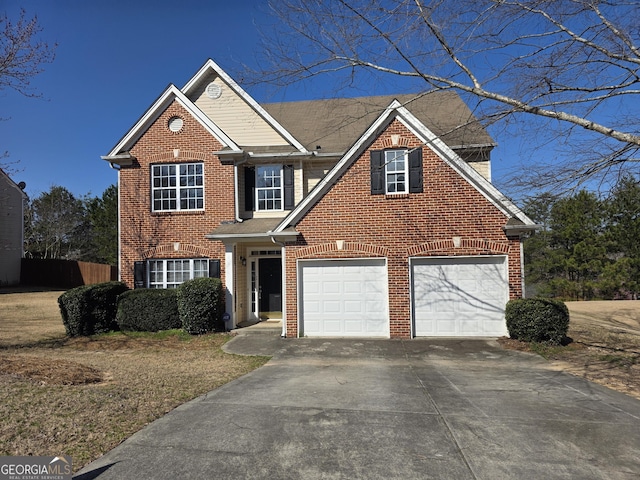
(235, 116)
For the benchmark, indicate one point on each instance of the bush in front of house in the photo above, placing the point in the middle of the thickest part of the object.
(90, 309)
(200, 304)
(537, 320)
(148, 310)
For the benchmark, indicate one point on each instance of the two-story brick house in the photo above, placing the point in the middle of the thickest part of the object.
(368, 217)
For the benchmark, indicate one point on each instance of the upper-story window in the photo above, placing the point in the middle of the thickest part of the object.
(396, 171)
(176, 187)
(269, 187)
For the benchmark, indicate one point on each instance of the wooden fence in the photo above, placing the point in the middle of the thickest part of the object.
(64, 273)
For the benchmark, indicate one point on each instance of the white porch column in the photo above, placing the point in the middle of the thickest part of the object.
(229, 277)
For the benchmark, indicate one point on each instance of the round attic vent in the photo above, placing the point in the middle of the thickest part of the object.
(214, 90)
(176, 124)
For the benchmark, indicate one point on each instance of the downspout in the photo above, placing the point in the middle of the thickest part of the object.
(283, 334)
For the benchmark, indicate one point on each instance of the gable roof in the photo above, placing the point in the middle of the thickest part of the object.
(12, 184)
(397, 111)
(172, 93)
(336, 124)
(211, 66)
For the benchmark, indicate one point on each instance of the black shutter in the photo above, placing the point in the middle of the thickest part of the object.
(415, 171)
(289, 199)
(139, 274)
(249, 187)
(377, 172)
(214, 268)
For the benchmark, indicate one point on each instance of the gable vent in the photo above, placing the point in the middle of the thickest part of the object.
(175, 124)
(214, 90)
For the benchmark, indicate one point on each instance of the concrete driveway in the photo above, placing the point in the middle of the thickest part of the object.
(383, 409)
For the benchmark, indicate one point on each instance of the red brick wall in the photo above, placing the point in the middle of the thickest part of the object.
(398, 227)
(145, 234)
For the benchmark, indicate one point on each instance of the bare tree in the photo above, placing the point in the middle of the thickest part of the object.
(22, 55)
(572, 65)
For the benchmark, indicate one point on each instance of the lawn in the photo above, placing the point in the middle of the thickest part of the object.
(83, 396)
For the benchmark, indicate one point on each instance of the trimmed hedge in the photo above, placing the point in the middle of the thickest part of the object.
(90, 309)
(537, 320)
(200, 304)
(148, 310)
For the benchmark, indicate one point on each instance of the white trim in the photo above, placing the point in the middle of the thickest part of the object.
(300, 294)
(211, 65)
(396, 110)
(412, 260)
(159, 106)
(177, 188)
(229, 273)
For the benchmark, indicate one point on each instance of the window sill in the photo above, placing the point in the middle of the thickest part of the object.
(395, 196)
(177, 212)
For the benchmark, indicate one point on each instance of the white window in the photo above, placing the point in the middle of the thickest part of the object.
(177, 187)
(269, 187)
(171, 273)
(396, 171)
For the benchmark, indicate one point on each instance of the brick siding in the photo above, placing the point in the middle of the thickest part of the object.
(399, 227)
(145, 234)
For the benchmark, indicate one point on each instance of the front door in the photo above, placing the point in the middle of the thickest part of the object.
(269, 288)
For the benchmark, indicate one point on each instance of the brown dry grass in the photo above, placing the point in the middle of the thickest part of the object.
(83, 396)
(605, 347)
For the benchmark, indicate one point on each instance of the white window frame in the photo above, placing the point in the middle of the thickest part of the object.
(177, 182)
(171, 272)
(392, 173)
(279, 189)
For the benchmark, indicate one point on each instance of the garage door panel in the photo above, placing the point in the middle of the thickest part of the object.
(353, 298)
(459, 296)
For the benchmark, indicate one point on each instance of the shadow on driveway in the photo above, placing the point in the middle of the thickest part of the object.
(383, 409)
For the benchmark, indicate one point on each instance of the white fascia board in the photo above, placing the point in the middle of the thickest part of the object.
(329, 179)
(480, 183)
(210, 64)
(396, 110)
(169, 95)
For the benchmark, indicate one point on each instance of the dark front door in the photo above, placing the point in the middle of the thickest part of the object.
(270, 287)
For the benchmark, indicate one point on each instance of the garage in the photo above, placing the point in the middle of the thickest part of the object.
(344, 298)
(459, 296)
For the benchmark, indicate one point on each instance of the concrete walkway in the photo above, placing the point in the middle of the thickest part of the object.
(384, 409)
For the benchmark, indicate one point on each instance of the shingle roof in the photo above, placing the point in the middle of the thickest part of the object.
(335, 124)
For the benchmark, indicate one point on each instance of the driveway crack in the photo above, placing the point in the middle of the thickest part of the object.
(449, 429)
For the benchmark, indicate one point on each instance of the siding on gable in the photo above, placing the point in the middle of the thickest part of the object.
(11, 232)
(234, 116)
(399, 226)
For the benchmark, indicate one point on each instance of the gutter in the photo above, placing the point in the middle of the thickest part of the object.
(121, 160)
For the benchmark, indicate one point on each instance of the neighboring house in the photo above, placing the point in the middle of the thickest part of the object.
(367, 217)
(12, 198)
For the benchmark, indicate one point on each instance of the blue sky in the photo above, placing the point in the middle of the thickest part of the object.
(113, 59)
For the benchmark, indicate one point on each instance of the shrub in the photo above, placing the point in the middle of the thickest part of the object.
(148, 310)
(537, 320)
(90, 309)
(200, 303)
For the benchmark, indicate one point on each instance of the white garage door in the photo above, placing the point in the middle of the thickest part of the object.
(460, 296)
(342, 298)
